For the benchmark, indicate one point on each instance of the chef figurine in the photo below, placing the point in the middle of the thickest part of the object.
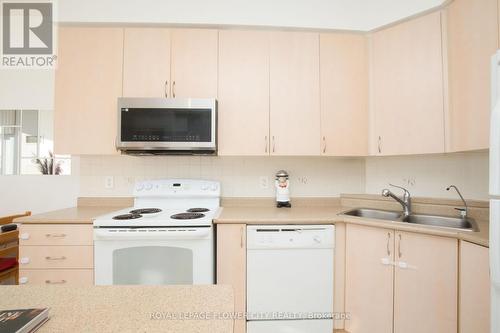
(282, 185)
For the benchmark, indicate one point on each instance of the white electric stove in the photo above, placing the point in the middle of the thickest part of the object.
(165, 238)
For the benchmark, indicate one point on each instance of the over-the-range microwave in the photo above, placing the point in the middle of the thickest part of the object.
(152, 126)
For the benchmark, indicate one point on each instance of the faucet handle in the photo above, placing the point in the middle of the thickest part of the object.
(407, 193)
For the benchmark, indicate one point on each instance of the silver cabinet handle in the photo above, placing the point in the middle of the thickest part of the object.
(173, 89)
(55, 258)
(388, 244)
(400, 254)
(241, 237)
(274, 144)
(55, 281)
(55, 235)
(166, 89)
(266, 142)
(379, 145)
(324, 144)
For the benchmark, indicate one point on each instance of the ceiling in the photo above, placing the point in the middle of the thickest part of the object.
(362, 15)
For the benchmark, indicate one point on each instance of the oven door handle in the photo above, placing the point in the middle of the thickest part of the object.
(146, 233)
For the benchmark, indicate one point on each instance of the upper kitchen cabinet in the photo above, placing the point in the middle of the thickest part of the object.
(294, 93)
(472, 33)
(344, 94)
(87, 85)
(407, 88)
(194, 63)
(243, 109)
(159, 62)
(146, 62)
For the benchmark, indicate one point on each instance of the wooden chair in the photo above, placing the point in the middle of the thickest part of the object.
(9, 252)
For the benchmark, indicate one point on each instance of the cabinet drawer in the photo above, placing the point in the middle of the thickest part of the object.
(56, 276)
(53, 234)
(56, 257)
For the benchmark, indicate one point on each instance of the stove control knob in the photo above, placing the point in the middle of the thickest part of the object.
(148, 187)
(140, 187)
(214, 187)
(204, 187)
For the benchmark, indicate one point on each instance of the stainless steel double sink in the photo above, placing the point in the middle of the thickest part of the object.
(449, 222)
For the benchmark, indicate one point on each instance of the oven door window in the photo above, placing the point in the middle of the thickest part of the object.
(152, 265)
(166, 125)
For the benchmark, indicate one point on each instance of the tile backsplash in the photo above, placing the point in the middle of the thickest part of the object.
(425, 176)
(429, 175)
(239, 176)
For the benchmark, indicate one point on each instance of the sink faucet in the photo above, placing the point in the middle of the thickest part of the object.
(406, 202)
(463, 211)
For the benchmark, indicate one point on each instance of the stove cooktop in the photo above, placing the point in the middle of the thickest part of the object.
(187, 216)
(157, 217)
(142, 211)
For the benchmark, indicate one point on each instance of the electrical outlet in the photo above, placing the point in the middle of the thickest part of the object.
(264, 182)
(409, 181)
(109, 182)
(302, 180)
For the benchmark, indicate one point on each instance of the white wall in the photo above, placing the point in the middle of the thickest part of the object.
(37, 193)
(239, 176)
(26, 89)
(429, 175)
(321, 14)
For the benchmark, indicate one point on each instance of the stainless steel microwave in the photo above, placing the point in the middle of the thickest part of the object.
(167, 126)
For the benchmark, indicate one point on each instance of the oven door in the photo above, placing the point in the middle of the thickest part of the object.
(153, 256)
(166, 124)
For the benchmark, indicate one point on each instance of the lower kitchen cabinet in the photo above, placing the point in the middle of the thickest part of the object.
(56, 254)
(474, 288)
(231, 266)
(400, 282)
(425, 284)
(59, 276)
(369, 282)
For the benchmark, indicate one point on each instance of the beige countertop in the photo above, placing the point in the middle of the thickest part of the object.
(310, 211)
(273, 215)
(74, 215)
(331, 215)
(126, 308)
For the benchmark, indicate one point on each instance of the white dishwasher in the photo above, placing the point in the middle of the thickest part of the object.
(290, 278)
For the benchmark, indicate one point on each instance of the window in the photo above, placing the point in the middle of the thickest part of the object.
(26, 141)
